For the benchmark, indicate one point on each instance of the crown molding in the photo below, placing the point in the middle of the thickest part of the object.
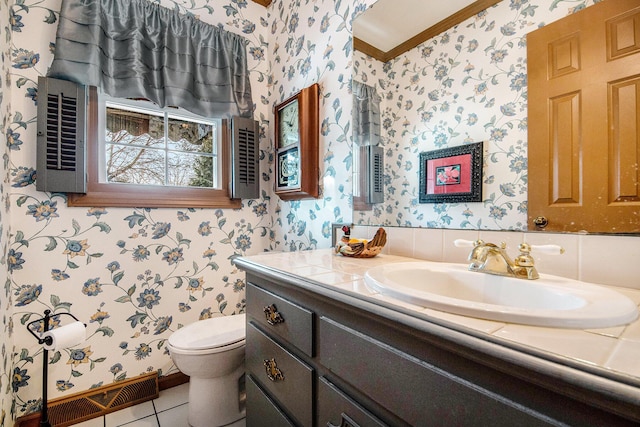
(449, 22)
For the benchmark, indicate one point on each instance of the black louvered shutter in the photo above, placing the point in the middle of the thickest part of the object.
(374, 173)
(61, 136)
(245, 165)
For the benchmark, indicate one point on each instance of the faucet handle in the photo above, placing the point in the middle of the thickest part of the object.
(548, 249)
(462, 243)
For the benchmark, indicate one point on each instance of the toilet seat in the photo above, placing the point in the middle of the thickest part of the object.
(220, 333)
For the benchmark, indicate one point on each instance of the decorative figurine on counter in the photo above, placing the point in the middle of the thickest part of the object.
(361, 248)
(344, 240)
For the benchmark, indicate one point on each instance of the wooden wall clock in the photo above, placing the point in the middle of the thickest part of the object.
(297, 131)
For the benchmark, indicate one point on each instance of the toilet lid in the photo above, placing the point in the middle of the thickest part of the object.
(210, 333)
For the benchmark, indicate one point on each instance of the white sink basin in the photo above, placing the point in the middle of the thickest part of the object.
(549, 301)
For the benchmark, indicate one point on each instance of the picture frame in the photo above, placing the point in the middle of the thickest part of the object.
(452, 175)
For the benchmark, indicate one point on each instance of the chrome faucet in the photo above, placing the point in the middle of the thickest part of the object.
(493, 259)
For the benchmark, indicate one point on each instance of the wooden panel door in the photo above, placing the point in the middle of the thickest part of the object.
(584, 120)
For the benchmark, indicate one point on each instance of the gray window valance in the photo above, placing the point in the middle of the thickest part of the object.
(138, 49)
(366, 114)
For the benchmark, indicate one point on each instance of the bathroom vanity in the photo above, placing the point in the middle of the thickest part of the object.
(321, 350)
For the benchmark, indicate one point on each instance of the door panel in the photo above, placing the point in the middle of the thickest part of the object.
(624, 150)
(584, 120)
(565, 141)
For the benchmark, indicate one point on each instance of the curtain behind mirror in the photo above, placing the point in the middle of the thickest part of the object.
(366, 114)
(138, 49)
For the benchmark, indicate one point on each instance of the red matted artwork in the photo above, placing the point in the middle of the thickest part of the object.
(452, 174)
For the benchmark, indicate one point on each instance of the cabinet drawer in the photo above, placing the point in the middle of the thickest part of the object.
(288, 320)
(285, 377)
(261, 410)
(416, 391)
(336, 409)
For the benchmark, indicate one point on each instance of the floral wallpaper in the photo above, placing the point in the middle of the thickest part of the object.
(132, 275)
(310, 41)
(136, 275)
(468, 84)
(6, 309)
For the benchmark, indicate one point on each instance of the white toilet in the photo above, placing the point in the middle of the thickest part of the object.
(211, 352)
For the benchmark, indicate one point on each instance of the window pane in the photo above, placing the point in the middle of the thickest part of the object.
(134, 128)
(191, 170)
(190, 136)
(135, 165)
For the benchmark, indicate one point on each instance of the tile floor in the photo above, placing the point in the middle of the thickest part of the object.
(168, 410)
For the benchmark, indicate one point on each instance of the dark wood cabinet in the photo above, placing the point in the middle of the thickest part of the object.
(337, 409)
(265, 412)
(285, 377)
(337, 359)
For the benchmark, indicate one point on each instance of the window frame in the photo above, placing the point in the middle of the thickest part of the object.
(101, 194)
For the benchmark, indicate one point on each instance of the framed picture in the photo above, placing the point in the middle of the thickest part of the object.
(451, 175)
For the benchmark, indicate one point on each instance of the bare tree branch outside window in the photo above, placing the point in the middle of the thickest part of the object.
(138, 152)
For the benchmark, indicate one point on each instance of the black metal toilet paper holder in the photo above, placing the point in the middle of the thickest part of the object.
(44, 415)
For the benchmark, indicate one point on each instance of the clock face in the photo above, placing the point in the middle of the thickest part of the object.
(288, 126)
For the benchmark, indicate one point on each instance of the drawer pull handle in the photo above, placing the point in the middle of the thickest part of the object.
(273, 373)
(272, 315)
(346, 422)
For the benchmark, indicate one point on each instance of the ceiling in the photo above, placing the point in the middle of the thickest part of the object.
(391, 27)
(385, 25)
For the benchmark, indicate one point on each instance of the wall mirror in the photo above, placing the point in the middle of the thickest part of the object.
(446, 86)
(385, 35)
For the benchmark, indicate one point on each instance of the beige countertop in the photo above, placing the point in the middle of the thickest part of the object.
(613, 350)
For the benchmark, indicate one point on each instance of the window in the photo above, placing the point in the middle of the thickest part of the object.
(141, 155)
(209, 76)
(148, 146)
